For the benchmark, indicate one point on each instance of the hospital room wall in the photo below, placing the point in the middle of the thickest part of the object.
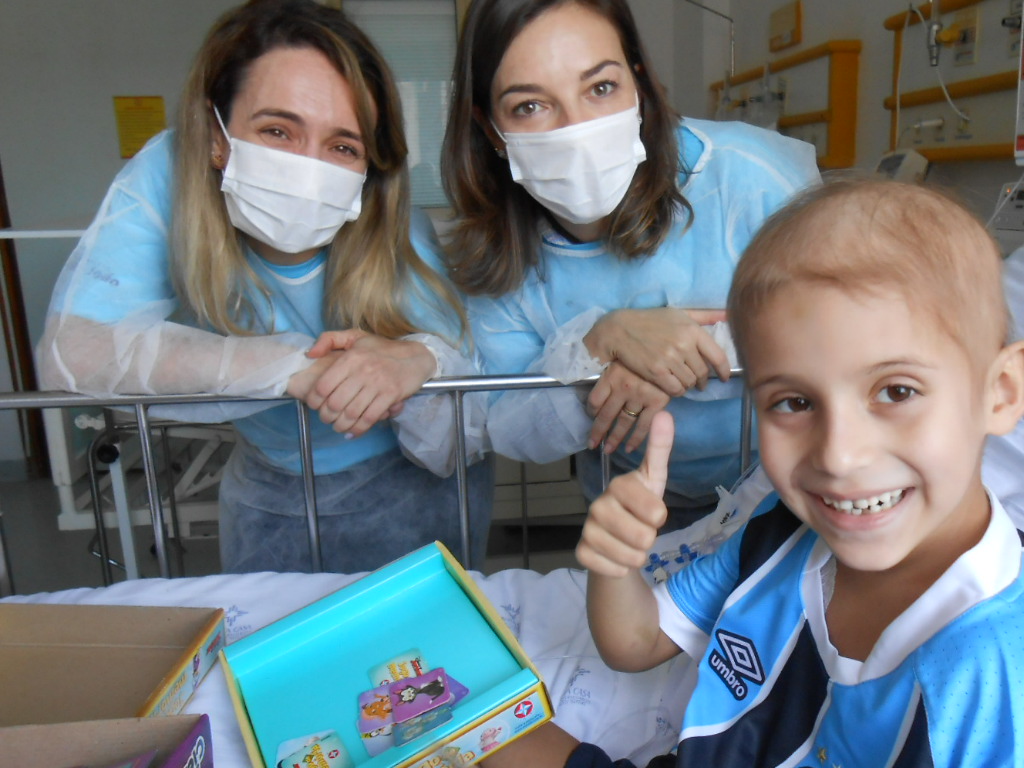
(976, 182)
(61, 61)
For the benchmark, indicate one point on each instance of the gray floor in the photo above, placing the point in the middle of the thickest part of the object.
(45, 559)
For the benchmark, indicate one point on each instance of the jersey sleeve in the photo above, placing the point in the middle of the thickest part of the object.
(691, 600)
(971, 675)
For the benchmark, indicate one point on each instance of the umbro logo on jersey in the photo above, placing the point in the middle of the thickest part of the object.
(739, 665)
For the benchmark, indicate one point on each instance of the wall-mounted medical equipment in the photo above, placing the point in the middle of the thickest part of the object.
(1007, 222)
(810, 95)
(903, 165)
(955, 79)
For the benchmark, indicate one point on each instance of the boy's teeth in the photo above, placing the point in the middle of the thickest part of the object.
(869, 506)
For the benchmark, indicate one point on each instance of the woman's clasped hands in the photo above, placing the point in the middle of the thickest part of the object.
(653, 355)
(358, 378)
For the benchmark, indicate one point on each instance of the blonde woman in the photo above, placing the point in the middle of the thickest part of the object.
(277, 210)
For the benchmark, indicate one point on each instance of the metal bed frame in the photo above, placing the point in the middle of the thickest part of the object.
(457, 387)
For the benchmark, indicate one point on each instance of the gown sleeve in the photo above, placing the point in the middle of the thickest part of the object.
(111, 327)
(740, 176)
(426, 426)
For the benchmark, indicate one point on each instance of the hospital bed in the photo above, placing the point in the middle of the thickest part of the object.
(632, 714)
(626, 713)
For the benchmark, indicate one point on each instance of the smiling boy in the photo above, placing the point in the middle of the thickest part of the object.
(871, 613)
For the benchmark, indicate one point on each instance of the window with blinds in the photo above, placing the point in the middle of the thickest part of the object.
(418, 38)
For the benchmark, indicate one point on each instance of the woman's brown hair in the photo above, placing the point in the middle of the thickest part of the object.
(495, 238)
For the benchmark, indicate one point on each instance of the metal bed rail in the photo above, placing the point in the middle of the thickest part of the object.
(457, 387)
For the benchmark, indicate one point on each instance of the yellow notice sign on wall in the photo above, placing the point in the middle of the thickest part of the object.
(785, 26)
(139, 118)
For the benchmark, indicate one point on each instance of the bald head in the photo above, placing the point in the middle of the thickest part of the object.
(872, 236)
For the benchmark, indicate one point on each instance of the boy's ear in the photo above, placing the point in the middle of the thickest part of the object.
(1006, 390)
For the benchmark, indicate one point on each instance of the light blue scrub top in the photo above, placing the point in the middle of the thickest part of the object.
(130, 271)
(736, 175)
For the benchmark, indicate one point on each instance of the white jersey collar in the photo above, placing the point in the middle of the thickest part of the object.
(981, 572)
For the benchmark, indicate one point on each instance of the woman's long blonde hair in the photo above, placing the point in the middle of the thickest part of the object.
(371, 264)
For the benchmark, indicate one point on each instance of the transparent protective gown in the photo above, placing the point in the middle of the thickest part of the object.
(735, 176)
(114, 326)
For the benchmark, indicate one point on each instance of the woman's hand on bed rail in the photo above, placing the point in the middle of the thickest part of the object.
(358, 378)
(623, 521)
(663, 345)
(622, 404)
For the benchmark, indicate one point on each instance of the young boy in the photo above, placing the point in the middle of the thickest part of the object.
(873, 616)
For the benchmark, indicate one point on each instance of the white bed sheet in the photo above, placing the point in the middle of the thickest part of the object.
(635, 715)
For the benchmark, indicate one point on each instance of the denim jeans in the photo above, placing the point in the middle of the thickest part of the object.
(369, 514)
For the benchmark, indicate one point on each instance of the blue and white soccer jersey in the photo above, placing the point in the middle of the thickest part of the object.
(944, 685)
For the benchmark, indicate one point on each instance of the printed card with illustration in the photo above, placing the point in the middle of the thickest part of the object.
(406, 664)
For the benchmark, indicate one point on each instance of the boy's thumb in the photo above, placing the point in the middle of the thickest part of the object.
(654, 467)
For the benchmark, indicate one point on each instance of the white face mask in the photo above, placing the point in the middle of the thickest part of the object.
(582, 171)
(293, 203)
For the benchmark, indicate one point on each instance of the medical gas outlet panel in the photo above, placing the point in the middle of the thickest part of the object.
(956, 75)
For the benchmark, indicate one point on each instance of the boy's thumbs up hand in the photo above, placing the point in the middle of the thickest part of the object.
(624, 521)
(653, 469)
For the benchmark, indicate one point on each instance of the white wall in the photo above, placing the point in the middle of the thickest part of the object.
(686, 45)
(61, 62)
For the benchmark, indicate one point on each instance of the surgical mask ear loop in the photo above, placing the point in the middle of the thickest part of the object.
(220, 122)
(498, 150)
(218, 159)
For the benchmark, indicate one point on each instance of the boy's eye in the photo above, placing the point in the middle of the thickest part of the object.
(896, 393)
(792, 405)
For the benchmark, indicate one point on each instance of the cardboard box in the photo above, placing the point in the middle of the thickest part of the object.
(65, 663)
(181, 741)
(302, 675)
